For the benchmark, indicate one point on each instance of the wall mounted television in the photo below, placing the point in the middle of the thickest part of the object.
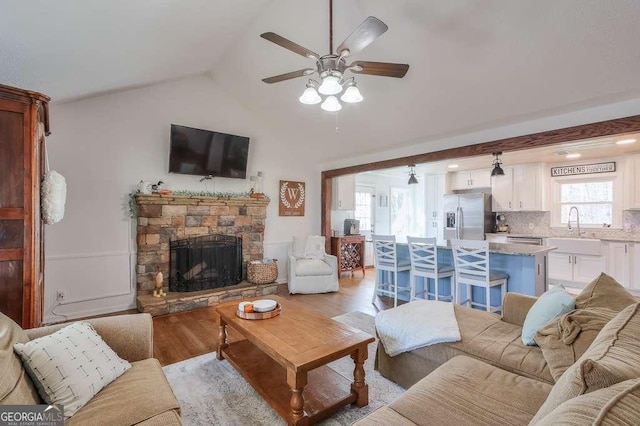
(204, 152)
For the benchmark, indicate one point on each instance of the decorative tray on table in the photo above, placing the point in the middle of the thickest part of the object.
(258, 309)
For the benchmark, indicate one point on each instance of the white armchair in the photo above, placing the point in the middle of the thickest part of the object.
(311, 269)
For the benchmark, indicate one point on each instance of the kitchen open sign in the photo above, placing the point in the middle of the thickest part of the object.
(585, 169)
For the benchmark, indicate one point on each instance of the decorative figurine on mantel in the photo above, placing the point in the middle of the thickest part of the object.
(256, 187)
(159, 292)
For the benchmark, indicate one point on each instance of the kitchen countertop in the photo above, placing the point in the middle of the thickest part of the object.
(614, 239)
(512, 249)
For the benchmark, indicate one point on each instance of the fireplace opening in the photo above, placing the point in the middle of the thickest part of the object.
(201, 263)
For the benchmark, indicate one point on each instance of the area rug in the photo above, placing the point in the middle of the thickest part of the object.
(230, 400)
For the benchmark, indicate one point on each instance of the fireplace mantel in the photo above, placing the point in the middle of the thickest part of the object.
(162, 218)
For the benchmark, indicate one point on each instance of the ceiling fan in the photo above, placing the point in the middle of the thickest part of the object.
(332, 67)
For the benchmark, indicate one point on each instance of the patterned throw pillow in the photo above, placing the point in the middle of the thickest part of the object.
(71, 365)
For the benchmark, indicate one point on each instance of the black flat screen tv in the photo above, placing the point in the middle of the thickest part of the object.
(204, 152)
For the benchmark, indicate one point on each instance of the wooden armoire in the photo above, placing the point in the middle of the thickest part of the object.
(24, 123)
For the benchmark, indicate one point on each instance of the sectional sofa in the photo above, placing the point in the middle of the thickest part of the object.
(586, 369)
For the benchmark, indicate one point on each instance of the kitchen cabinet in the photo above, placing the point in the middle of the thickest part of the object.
(344, 192)
(633, 182)
(471, 179)
(519, 189)
(574, 268)
(435, 189)
(435, 229)
(622, 262)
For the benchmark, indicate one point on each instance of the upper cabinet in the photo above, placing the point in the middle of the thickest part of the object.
(521, 188)
(471, 179)
(344, 192)
(633, 182)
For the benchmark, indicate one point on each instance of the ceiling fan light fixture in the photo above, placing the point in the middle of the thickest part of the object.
(330, 85)
(310, 96)
(352, 95)
(331, 104)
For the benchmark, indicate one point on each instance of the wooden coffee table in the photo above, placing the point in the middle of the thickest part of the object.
(284, 359)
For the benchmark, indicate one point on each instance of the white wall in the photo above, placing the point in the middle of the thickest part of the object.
(382, 186)
(105, 145)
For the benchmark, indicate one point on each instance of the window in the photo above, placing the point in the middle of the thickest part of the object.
(364, 209)
(597, 200)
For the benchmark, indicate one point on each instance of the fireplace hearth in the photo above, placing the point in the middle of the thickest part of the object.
(206, 262)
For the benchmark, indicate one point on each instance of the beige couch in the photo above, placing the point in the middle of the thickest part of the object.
(491, 378)
(142, 395)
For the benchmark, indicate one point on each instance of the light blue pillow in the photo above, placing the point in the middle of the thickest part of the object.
(550, 305)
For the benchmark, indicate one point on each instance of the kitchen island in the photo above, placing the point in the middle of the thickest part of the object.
(525, 264)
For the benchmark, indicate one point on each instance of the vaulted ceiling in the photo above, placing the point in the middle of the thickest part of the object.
(474, 64)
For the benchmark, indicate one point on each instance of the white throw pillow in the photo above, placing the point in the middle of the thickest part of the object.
(314, 248)
(71, 365)
(298, 246)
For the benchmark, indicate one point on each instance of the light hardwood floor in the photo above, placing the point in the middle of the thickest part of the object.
(188, 334)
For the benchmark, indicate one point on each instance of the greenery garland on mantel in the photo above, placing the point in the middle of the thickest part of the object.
(133, 206)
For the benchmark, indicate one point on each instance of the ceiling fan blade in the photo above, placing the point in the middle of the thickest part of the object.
(369, 30)
(289, 45)
(289, 75)
(383, 69)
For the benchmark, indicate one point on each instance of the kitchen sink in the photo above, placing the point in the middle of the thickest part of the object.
(588, 246)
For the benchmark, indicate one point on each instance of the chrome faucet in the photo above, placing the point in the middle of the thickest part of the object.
(577, 220)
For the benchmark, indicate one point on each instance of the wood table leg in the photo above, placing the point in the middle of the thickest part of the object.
(297, 381)
(359, 386)
(222, 337)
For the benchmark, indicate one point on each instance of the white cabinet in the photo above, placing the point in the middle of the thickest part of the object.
(344, 192)
(633, 182)
(480, 178)
(435, 229)
(574, 268)
(502, 191)
(519, 189)
(623, 263)
(435, 189)
(560, 266)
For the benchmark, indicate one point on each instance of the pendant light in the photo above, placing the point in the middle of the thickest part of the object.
(497, 170)
(412, 175)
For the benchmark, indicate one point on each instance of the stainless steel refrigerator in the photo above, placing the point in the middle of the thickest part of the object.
(467, 216)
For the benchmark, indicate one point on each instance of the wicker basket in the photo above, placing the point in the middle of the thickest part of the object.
(262, 273)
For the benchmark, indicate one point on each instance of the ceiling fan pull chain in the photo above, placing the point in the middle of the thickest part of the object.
(337, 128)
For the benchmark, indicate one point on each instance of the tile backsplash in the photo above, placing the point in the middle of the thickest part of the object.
(519, 223)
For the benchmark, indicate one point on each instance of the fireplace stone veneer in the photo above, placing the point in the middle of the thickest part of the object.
(162, 219)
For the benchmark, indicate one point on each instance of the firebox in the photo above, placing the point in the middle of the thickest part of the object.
(201, 263)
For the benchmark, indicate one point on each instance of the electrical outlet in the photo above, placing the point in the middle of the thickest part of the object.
(530, 225)
(59, 296)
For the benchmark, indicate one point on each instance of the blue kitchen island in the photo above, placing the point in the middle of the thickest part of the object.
(526, 265)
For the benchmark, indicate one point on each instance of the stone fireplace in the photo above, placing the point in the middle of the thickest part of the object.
(163, 219)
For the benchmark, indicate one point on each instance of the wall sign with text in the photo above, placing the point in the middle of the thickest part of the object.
(585, 169)
(292, 198)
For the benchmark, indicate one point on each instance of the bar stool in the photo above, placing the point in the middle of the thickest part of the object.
(471, 260)
(386, 262)
(423, 253)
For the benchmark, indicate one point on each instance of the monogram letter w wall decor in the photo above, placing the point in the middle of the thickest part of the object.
(292, 197)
